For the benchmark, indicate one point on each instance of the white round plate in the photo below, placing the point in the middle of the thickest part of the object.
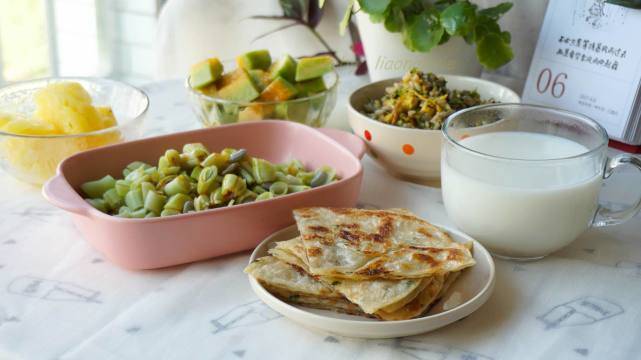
(467, 294)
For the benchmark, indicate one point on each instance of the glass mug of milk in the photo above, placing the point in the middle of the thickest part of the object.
(524, 180)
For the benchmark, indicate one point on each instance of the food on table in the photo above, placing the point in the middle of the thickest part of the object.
(197, 180)
(420, 100)
(62, 108)
(387, 264)
(257, 80)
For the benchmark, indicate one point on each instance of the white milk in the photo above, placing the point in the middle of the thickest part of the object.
(521, 208)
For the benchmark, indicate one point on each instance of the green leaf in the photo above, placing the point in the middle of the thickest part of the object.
(395, 20)
(506, 36)
(633, 4)
(459, 18)
(497, 11)
(484, 26)
(377, 18)
(422, 32)
(493, 52)
(401, 3)
(373, 7)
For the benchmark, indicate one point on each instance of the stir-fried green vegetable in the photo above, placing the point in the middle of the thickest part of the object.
(197, 180)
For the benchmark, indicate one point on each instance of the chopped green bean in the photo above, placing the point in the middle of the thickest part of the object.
(263, 170)
(138, 214)
(179, 185)
(146, 187)
(134, 200)
(247, 196)
(124, 212)
(169, 212)
(150, 215)
(278, 188)
(207, 180)
(137, 164)
(188, 206)
(195, 172)
(201, 203)
(155, 202)
(233, 185)
(99, 204)
(265, 196)
(113, 200)
(320, 177)
(122, 187)
(217, 197)
(297, 188)
(220, 160)
(247, 176)
(177, 202)
(258, 189)
(95, 189)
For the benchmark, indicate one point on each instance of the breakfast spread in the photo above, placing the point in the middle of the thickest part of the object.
(61, 108)
(385, 264)
(197, 180)
(421, 101)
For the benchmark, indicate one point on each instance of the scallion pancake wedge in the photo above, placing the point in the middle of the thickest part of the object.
(370, 295)
(358, 244)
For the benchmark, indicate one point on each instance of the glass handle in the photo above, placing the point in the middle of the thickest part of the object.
(605, 216)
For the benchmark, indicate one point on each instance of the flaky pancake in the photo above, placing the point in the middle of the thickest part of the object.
(358, 244)
(370, 295)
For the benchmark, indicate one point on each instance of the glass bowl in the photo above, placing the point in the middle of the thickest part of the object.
(311, 110)
(34, 158)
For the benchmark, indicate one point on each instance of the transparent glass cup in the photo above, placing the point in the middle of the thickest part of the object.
(520, 200)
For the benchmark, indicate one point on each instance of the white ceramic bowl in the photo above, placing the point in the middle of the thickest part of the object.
(467, 294)
(414, 154)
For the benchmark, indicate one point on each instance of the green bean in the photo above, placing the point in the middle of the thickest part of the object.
(263, 170)
(231, 202)
(113, 200)
(230, 169)
(179, 185)
(319, 179)
(217, 197)
(331, 173)
(150, 215)
(289, 179)
(138, 214)
(192, 159)
(134, 200)
(191, 147)
(122, 187)
(188, 207)
(146, 187)
(237, 155)
(247, 196)
(219, 160)
(233, 185)
(155, 202)
(258, 189)
(207, 180)
(126, 173)
(228, 151)
(164, 181)
(137, 164)
(306, 177)
(201, 203)
(177, 202)
(278, 188)
(297, 188)
(265, 196)
(153, 173)
(99, 204)
(169, 212)
(195, 172)
(95, 189)
(124, 212)
(247, 176)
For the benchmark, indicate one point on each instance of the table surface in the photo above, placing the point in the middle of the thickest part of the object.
(60, 299)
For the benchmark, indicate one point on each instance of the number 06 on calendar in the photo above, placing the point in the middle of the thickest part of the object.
(588, 60)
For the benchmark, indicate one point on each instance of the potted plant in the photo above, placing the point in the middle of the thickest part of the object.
(441, 36)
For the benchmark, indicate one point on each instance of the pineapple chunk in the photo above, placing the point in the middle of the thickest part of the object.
(23, 126)
(107, 117)
(67, 107)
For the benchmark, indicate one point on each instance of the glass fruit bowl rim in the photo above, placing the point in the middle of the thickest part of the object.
(329, 89)
(88, 79)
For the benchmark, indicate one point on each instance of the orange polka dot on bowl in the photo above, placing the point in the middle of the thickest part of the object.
(408, 149)
(368, 135)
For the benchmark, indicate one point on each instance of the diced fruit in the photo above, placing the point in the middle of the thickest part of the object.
(67, 107)
(106, 116)
(313, 67)
(239, 87)
(285, 68)
(256, 112)
(205, 73)
(257, 59)
(260, 78)
(24, 126)
(310, 87)
(296, 111)
(278, 90)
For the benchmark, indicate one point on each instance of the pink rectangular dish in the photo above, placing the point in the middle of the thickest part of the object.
(160, 242)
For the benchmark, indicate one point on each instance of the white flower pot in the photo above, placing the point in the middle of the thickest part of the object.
(387, 57)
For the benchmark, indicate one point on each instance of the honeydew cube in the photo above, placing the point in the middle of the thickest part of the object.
(260, 78)
(278, 90)
(310, 87)
(257, 59)
(285, 68)
(238, 87)
(205, 73)
(313, 67)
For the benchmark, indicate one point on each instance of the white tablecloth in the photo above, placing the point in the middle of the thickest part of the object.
(59, 299)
